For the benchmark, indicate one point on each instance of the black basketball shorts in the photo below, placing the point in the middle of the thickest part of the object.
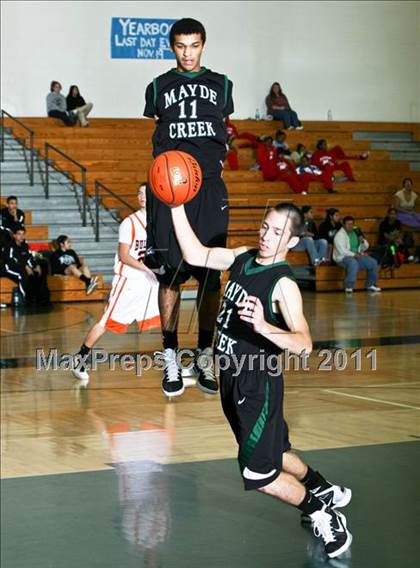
(208, 214)
(253, 404)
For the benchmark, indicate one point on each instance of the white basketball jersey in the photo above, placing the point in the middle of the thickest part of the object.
(132, 232)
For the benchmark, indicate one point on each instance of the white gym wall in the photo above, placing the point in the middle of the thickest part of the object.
(359, 59)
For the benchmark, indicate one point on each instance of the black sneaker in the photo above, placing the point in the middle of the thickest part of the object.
(334, 497)
(172, 384)
(331, 526)
(204, 368)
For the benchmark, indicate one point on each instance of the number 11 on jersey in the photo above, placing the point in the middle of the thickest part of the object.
(193, 105)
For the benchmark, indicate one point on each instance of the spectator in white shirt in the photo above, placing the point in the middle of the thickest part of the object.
(348, 252)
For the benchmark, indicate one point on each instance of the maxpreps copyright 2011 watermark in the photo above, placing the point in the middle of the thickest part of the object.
(139, 363)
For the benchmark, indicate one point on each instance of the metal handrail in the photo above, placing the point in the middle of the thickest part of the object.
(31, 142)
(99, 185)
(83, 170)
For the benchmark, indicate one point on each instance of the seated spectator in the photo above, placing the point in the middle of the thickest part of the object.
(330, 225)
(390, 235)
(274, 167)
(297, 155)
(281, 144)
(405, 203)
(278, 107)
(266, 157)
(19, 265)
(57, 105)
(327, 161)
(348, 252)
(10, 218)
(66, 262)
(233, 136)
(316, 248)
(307, 173)
(77, 105)
(232, 157)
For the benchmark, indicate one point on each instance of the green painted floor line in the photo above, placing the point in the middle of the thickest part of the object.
(197, 515)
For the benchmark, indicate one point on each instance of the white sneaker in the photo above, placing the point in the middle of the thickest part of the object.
(373, 288)
(348, 290)
(79, 370)
(93, 284)
(299, 127)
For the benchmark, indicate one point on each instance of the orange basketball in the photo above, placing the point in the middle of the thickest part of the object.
(175, 177)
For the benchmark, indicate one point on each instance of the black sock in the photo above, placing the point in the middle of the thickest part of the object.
(84, 350)
(205, 338)
(310, 504)
(85, 279)
(170, 339)
(313, 480)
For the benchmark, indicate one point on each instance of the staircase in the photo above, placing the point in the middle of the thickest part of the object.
(62, 212)
(400, 145)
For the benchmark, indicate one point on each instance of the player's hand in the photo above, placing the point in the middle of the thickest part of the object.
(29, 270)
(252, 311)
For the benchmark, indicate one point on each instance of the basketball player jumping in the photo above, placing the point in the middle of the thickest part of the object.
(189, 104)
(261, 315)
(134, 287)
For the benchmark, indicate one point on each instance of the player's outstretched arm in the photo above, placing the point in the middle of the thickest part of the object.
(194, 252)
(287, 297)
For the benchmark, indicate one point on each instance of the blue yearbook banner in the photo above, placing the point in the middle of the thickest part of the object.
(141, 38)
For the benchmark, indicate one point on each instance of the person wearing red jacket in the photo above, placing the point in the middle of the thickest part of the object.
(234, 134)
(327, 160)
(275, 167)
(307, 173)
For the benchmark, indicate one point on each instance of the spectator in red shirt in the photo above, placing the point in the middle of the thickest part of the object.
(307, 173)
(234, 135)
(279, 108)
(275, 167)
(327, 160)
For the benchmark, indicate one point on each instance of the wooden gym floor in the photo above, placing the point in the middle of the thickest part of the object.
(110, 474)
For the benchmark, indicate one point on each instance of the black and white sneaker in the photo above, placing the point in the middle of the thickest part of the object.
(331, 526)
(172, 384)
(204, 368)
(334, 497)
(79, 370)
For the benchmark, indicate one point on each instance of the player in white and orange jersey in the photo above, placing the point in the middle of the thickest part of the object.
(134, 287)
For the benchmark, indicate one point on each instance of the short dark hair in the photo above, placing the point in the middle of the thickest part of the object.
(391, 209)
(187, 26)
(11, 198)
(347, 218)
(140, 184)
(320, 143)
(280, 133)
(294, 214)
(53, 84)
(17, 228)
(306, 208)
(407, 179)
